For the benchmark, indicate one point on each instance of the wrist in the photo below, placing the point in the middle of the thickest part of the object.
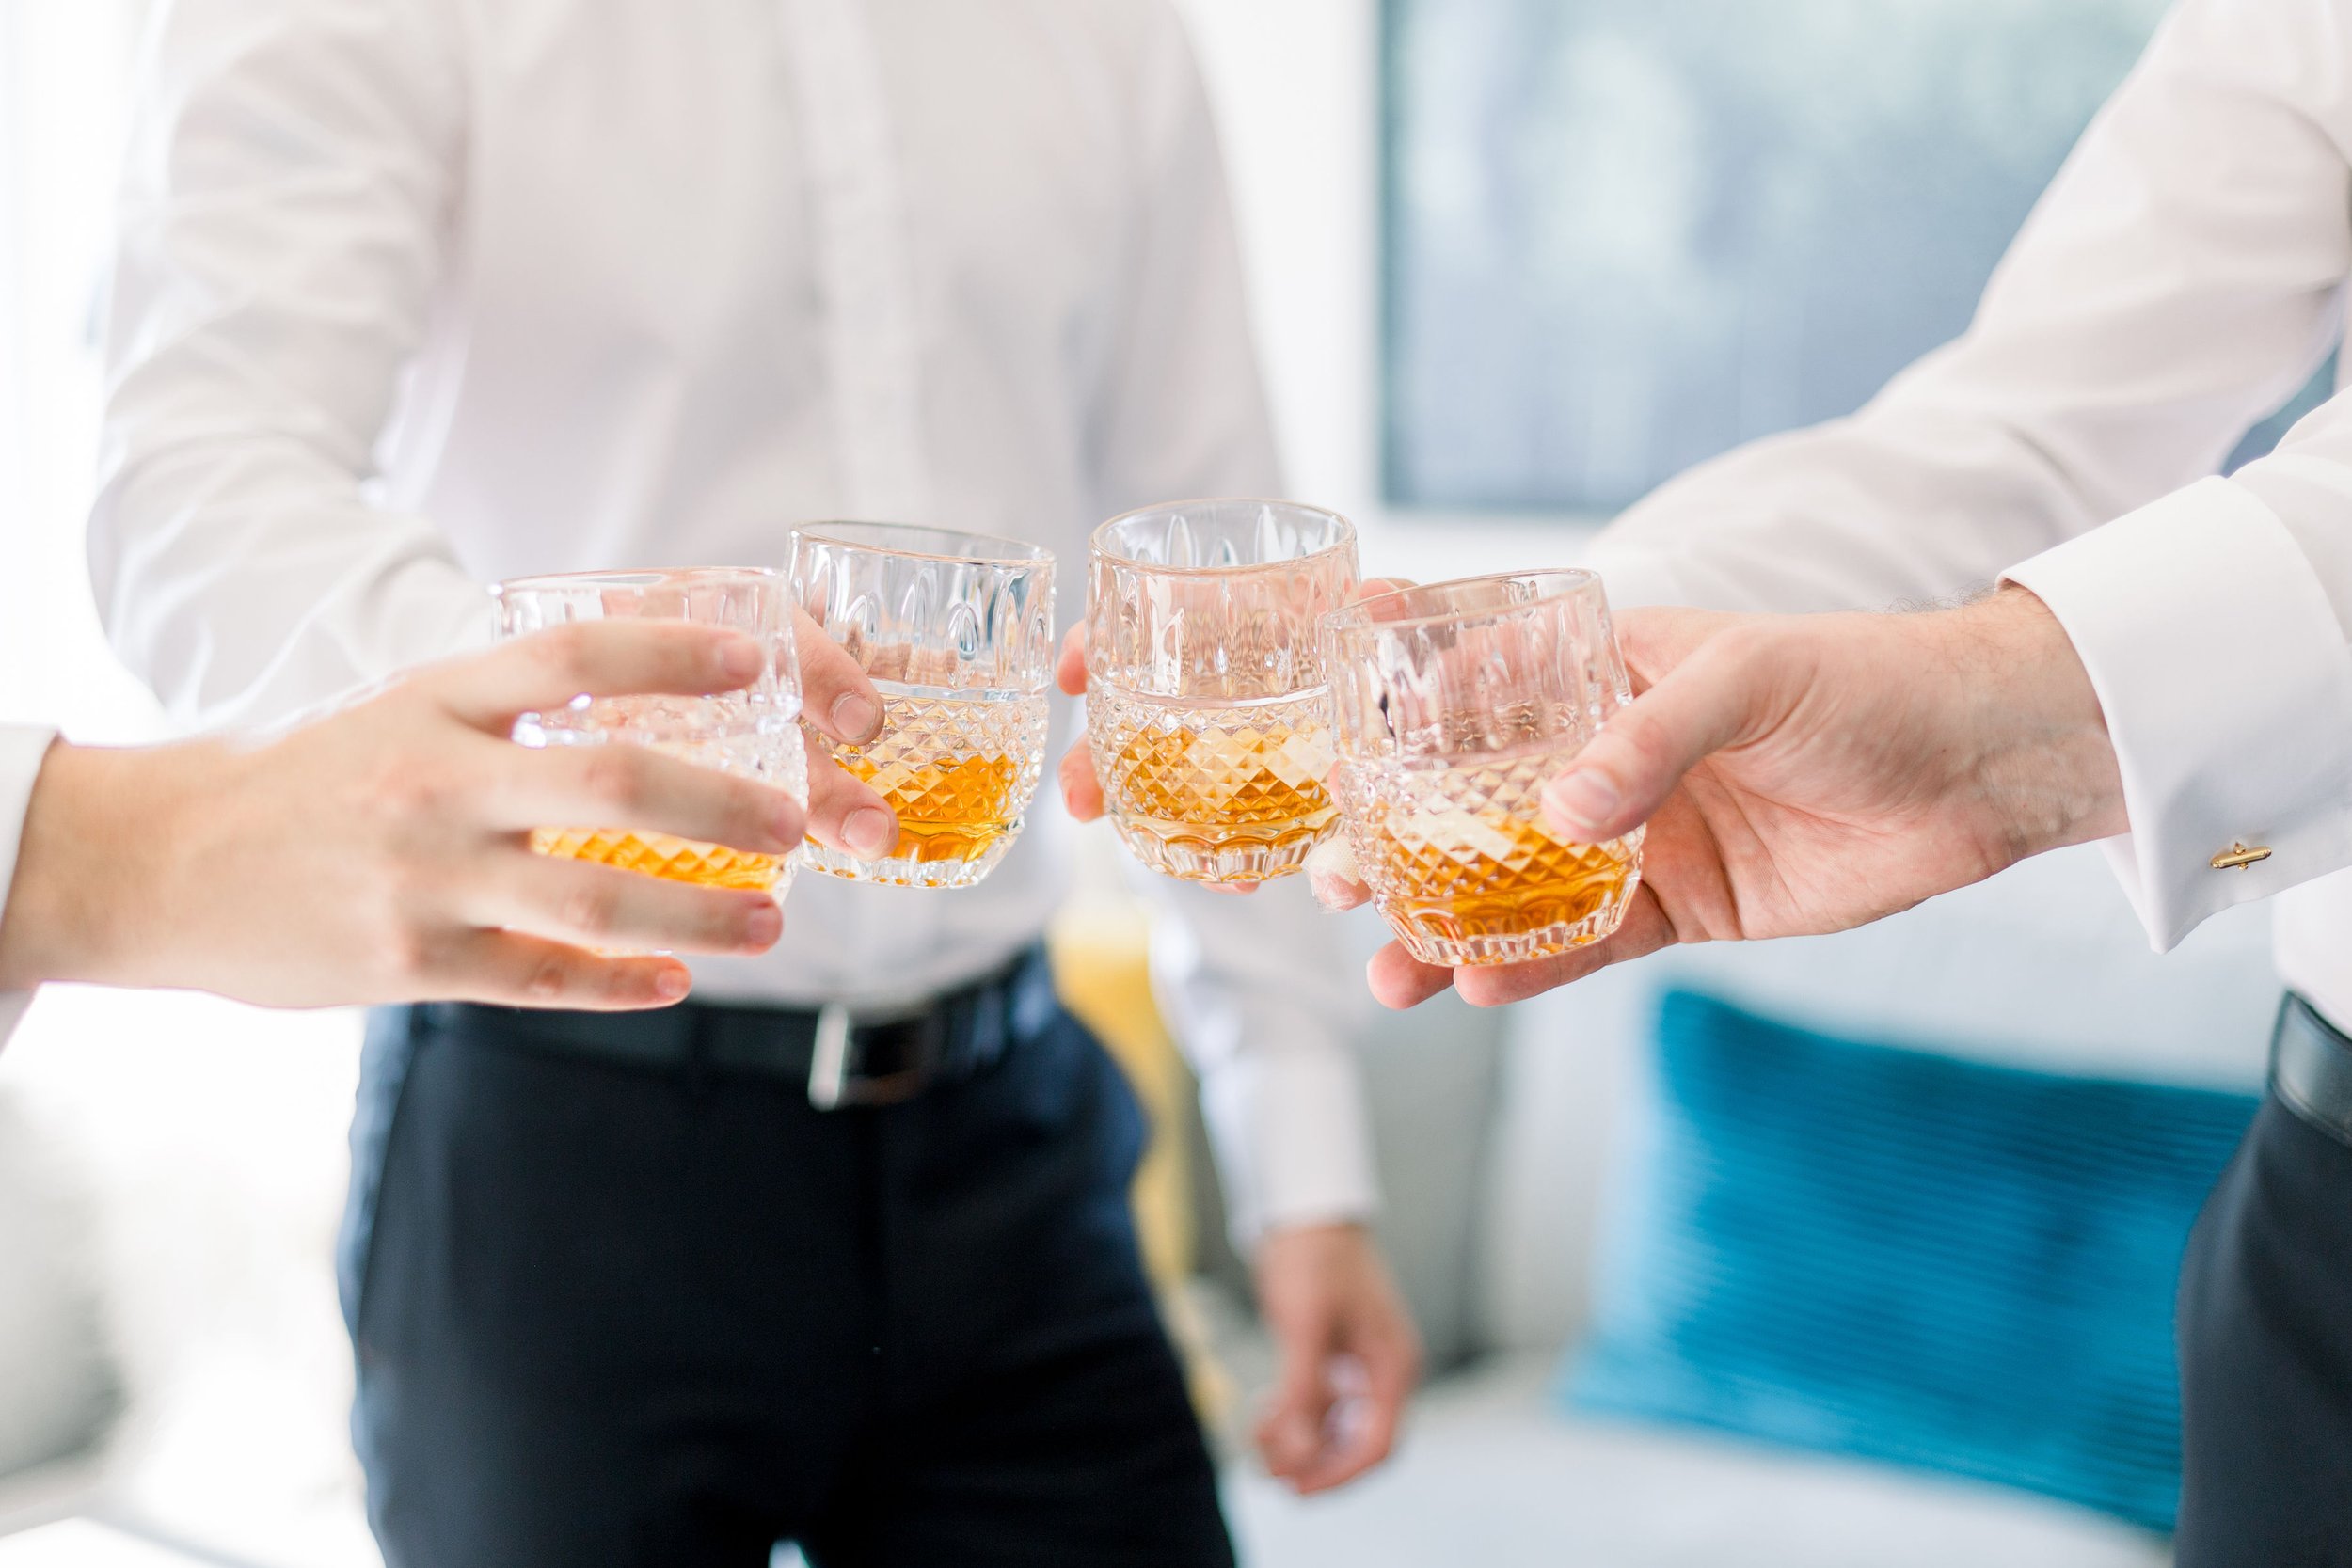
(2047, 765)
(87, 894)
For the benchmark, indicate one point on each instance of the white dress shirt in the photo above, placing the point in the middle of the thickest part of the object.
(2183, 275)
(20, 753)
(417, 294)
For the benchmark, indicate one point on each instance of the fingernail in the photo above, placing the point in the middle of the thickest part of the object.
(1333, 895)
(672, 985)
(790, 825)
(742, 659)
(868, 831)
(1332, 878)
(1584, 800)
(764, 925)
(855, 717)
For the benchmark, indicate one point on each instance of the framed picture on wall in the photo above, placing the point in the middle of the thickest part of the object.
(1622, 236)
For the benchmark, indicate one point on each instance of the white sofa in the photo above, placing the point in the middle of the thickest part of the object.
(1496, 1134)
(2043, 967)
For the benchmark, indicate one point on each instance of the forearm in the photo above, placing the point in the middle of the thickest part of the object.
(92, 870)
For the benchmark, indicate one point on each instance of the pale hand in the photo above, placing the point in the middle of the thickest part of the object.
(1349, 1356)
(382, 854)
(1806, 774)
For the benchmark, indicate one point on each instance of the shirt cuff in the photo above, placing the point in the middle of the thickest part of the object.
(1293, 1140)
(2226, 687)
(22, 753)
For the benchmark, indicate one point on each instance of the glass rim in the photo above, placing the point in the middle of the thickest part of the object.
(1343, 539)
(996, 550)
(1356, 619)
(647, 577)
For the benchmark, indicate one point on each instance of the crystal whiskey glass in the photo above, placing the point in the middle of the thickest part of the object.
(956, 632)
(1206, 712)
(753, 732)
(1452, 705)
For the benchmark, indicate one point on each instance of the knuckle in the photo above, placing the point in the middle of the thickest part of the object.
(550, 978)
(592, 910)
(751, 807)
(1740, 652)
(615, 776)
(410, 886)
(565, 653)
(1641, 733)
(731, 921)
(405, 788)
(408, 953)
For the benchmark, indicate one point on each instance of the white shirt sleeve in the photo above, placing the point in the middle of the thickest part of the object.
(1263, 994)
(1261, 991)
(22, 753)
(282, 237)
(2223, 671)
(2183, 275)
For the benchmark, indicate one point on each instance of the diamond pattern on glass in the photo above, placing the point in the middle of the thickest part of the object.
(672, 860)
(959, 770)
(753, 744)
(1462, 865)
(1221, 792)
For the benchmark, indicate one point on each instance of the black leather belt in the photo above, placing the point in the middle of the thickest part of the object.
(2310, 1069)
(847, 1056)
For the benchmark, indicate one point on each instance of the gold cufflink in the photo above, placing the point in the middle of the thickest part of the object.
(2238, 857)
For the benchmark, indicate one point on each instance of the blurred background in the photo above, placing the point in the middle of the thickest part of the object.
(1851, 1251)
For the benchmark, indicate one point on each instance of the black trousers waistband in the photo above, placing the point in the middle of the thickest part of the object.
(2310, 1069)
(847, 1057)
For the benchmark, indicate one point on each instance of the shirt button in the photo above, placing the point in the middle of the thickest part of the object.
(2238, 857)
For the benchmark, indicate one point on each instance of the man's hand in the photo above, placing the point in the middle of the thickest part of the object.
(1081, 789)
(1804, 774)
(383, 854)
(838, 699)
(1349, 1356)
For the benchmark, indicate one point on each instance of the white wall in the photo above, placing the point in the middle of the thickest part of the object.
(1295, 84)
(213, 1134)
(62, 66)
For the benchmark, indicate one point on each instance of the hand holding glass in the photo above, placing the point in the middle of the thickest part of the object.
(956, 630)
(1453, 705)
(1206, 713)
(753, 732)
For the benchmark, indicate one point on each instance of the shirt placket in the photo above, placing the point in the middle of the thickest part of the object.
(870, 335)
(864, 271)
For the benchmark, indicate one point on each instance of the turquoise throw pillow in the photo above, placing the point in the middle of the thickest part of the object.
(1903, 1255)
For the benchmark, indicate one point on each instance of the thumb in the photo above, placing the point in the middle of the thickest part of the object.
(1290, 1432)
(1618, 781)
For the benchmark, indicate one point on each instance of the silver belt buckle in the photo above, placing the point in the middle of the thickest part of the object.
(829, 1063)
(832, 1084)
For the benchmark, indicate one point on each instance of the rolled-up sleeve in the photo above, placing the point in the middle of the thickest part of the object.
(22, 753)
